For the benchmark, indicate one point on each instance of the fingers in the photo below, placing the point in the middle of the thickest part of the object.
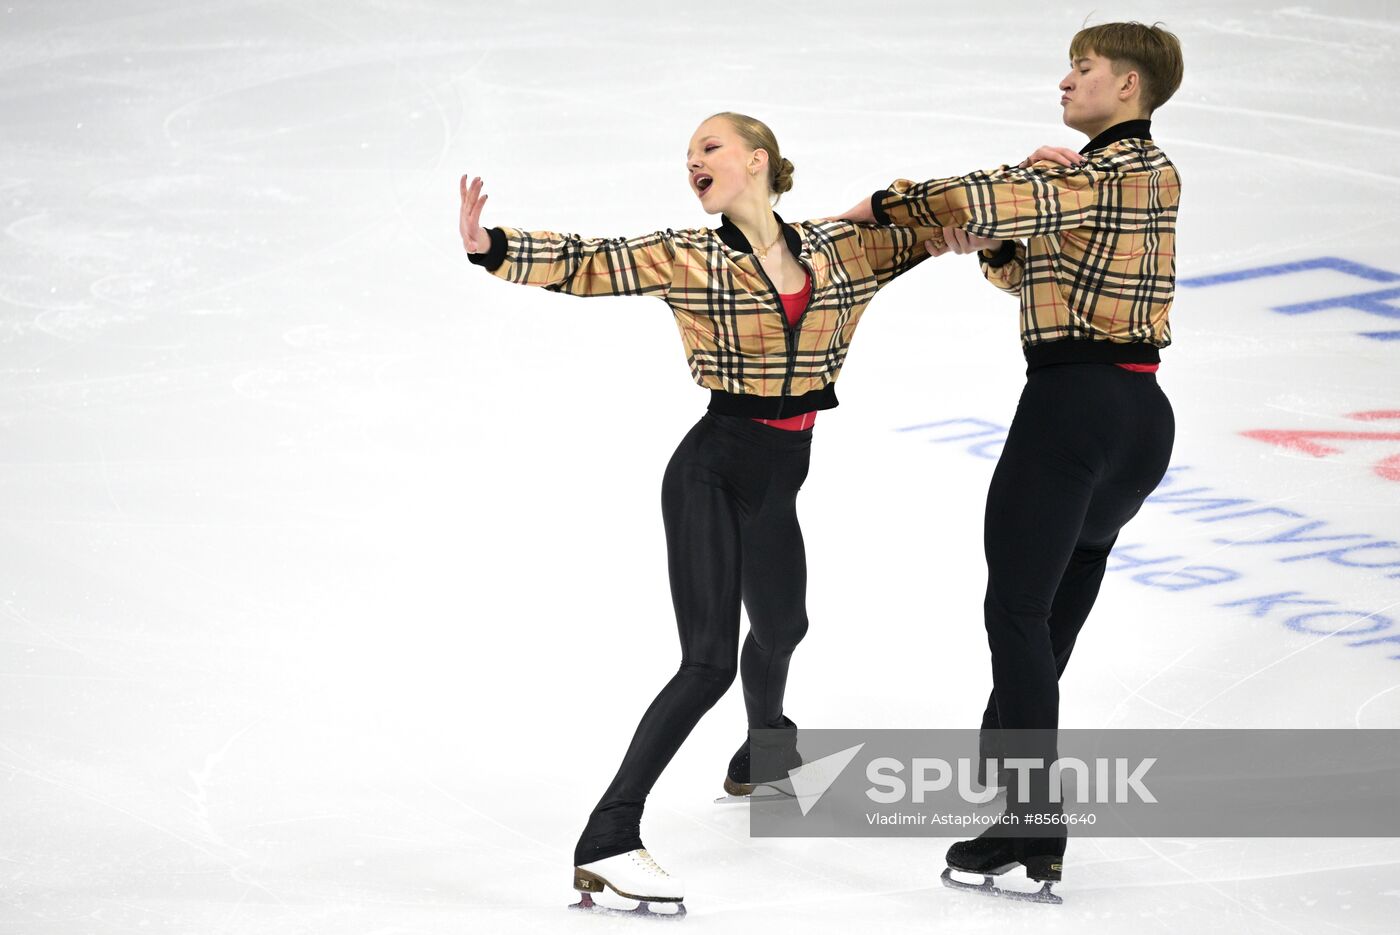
(961, 242)
(472, 202)
(470, 191)
(1056, 154)
(1075, 157)
(957, 240)
(468, 206)
(952, 237)
(470, 222)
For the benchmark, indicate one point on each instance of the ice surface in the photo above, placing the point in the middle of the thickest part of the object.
(334, 581)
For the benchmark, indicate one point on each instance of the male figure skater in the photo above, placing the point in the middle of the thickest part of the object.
(1087, 243)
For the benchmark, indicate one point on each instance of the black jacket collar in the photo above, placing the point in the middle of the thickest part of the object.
(734, 238)
(1127, 130)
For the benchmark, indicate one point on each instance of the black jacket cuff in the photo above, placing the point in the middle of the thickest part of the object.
(877, 208)
(1005, 254)
(494, 257)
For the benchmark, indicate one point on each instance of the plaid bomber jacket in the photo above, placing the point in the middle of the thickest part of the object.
(737, 338)
(1097, 272)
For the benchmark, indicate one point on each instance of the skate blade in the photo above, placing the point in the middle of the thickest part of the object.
(757, 797)
(988, 888)
(642, 910)
(764, 791)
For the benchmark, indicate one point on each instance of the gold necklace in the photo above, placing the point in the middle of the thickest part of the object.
(763, 254)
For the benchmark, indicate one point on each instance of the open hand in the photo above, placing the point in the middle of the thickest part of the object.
(960, 241)
(474, 239)
(1056, 154)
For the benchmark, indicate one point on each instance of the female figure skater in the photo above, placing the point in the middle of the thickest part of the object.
(766, 311)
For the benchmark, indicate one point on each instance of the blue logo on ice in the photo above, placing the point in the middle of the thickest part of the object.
(811, 780)
(1376, 302)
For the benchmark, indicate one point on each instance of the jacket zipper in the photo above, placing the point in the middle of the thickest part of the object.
(790, 332)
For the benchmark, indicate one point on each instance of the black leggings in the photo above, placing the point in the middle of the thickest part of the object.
(729, 502)
(1088, 444)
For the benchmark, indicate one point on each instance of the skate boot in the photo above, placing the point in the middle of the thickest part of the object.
(740, 781)
(633, 875)
(990, 856)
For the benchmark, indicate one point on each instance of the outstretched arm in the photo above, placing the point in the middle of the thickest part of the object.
(1003, 261)
(566, 263)
(1005, 203)
(1050, 190)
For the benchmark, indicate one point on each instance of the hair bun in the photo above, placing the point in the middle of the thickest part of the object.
(782, 179)
(756, 135)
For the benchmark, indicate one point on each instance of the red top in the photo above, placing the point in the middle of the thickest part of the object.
(1140, 368)
(794, 304)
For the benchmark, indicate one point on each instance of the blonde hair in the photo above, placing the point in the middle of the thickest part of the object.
(756, 135)
(1154, 52)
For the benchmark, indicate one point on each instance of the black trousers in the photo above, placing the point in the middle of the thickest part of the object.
(729, 502)
(1088, 444)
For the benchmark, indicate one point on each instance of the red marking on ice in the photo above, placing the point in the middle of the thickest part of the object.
(1300, 439)
(1308, 441)
(1389, 468)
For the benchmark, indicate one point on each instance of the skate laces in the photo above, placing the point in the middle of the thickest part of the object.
(650, 863)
